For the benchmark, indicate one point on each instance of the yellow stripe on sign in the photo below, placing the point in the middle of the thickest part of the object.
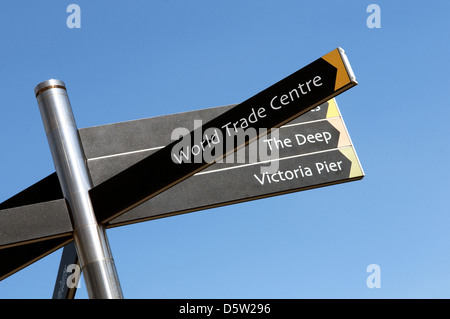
(335, 59)
(356, 169)
(332, 109)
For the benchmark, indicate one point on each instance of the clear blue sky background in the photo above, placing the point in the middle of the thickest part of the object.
(138, 59)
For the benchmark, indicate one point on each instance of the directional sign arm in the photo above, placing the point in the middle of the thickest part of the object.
(16, 258)
(295, 95)
(35, 222)
(47, 189)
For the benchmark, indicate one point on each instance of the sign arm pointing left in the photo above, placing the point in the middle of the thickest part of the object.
(16, 258)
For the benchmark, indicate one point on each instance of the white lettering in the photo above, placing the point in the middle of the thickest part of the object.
(328, 167)
(196, 309)
(74, 20)
(312, 138)
(282, 176)
(294, 94)
(374, 20)
(73, 280)
(374, 279)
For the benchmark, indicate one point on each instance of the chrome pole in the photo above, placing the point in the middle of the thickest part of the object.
(91, 242)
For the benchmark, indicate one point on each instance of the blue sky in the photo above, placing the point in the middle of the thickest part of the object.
(138, 59)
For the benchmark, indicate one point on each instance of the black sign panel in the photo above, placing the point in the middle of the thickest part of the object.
(16, 258)
(295, 95)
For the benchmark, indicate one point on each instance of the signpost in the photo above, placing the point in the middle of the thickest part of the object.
(291, 97)
(190, 161)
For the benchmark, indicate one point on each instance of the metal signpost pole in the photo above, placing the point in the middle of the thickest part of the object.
(90, 237)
